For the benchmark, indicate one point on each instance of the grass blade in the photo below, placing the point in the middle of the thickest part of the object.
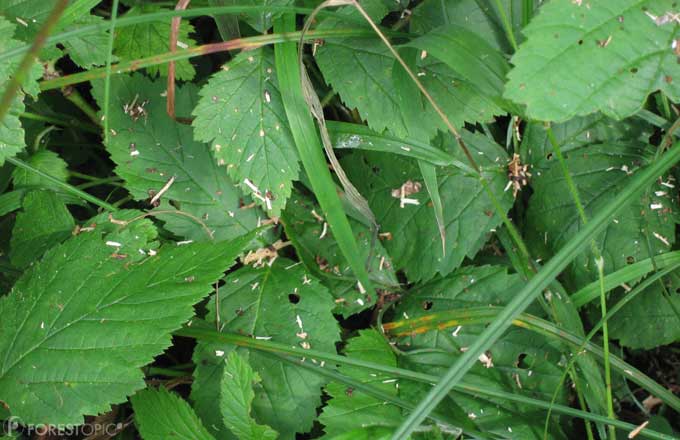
(204, 332)
(311, 152)
(534, 287)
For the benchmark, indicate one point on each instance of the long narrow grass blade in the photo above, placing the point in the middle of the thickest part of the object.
(311, 153)
(208, 334)
(534, 287)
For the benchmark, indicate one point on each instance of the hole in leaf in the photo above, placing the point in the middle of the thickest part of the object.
(294, 298)
(580, 42)
(634, 70)
(427, 305)
(549, 156)
(520, 361)
(630, 259)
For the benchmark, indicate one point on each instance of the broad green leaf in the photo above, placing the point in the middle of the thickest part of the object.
(151, 38)
(583, 57)
(520, 362)
(649, 320)
(348, 409)
(469, 216)
(282, 302)
(479, 17)
(537, 150)
(241, 113)
(161, 414)
(46, 161)
(150, 149)
(360, 70)
(260, 21)
(236, 398)
(86, 51)
(43, 223)
(98, 316)
(473, 60)
(318, 250)
(599, 173)
(11, 132)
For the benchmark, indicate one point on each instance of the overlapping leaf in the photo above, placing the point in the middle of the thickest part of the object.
(160, 414)
(317, 248)
(151, 38)
(361, 71)
(98, 316)
(469, 216)
(11, 132)
(599, 172)
(241, 113)
(521, 362)
(282, 302)
(43, 223)
(583, 57)
(236, 398)
(150, 150)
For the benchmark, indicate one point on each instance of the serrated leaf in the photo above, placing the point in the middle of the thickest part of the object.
(317, 248)
(151, 149)
(236, 398)
(650, 319)
(415, 244)
(89, 50)
(43, 223)
(520, 362)
(605, 56)
(284, 303)
(537, 150)
(361, 71)
(98, 316)
(599, 173)
(11, 132)
(260, 21)
(151, 38)
(160, 414)
(481, 18)
(348, 409)
(241, 113)
(469, 56)
(46, 161)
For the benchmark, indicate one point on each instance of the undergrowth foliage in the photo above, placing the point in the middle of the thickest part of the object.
(375, 219)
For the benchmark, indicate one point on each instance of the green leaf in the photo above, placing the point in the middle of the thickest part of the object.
(43, 223)
(476, 16)
(284, 303)
(161, 414)
(605, 56)
(46, 161)
(241, 113)
(86, 51)
(151, 38)
(472, 59)
(537, 150)
(11, 132)
(599, 173)
(260, 21)
(361, 71)
(319, 251)
(98, 316)
(151, 149)
(469, 216)
(348, 409)
(236, 398)
(649, 320)
(520, 362)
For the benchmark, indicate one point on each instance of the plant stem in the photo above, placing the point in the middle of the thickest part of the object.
(19, 76)
(72, 95)
(68, 188)
(61, 122)
(107, 81)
